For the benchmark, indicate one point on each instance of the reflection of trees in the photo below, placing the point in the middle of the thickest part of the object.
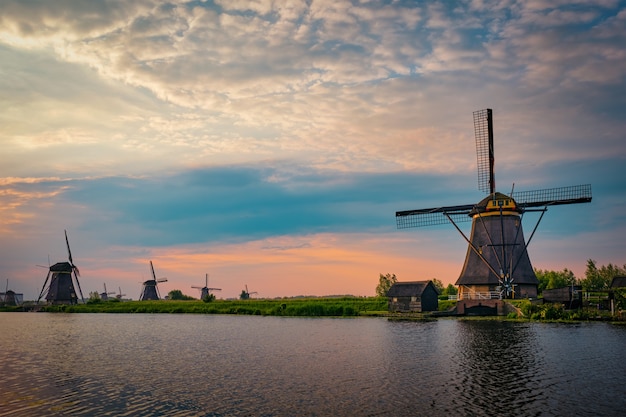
(498, 364)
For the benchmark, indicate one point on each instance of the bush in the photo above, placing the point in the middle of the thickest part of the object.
(446, 305)
(208, 298)
(349, 311)
(552, 312)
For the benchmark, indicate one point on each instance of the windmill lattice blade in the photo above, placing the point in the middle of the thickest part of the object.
(483, 131)
(554, 196)
(432, 216)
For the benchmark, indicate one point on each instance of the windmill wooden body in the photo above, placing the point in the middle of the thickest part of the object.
(206, 291)
(150, 290)
(497, 264)
(59, 284)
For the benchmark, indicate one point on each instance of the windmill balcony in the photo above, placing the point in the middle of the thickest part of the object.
(488, 295)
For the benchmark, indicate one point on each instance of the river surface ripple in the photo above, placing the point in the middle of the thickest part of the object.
(214, 365)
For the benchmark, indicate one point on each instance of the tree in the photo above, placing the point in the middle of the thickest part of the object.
(600, 279)
(439, 285)
(609, 272)
(208, 298)
(384, 283)
(554, 279)
(450, 290)
(94, 298)
(178, 295)
(592, 280)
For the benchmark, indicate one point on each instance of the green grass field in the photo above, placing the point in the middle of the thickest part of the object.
(296, 307)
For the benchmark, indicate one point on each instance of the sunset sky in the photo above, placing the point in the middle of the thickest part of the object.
(270, 145)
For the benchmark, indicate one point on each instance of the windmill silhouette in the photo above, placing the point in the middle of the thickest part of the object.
(497, 264)
(206, 291)
(61, 289)
(10, 297)
(120, 295)
(245, 294)
(150, 290)
(104, 296)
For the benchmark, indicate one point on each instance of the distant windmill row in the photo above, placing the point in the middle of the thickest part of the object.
(104, 296)
(62, 280)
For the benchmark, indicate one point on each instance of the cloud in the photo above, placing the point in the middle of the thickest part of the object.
(332, 85)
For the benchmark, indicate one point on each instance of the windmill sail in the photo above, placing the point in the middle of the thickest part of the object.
(432, 216)
(524, 200)
(483, 132)
(554, 196)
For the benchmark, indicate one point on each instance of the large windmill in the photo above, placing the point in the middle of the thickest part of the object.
(206, 291)
(150, 290)
(497, 263)
(61, 288)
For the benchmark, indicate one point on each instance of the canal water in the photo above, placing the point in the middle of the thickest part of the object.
(215, 365)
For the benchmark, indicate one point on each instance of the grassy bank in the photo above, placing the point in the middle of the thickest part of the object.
(311, 307)
(320, 307)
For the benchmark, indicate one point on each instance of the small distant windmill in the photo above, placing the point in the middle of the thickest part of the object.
(61, 289)
(150, 289)
(497, 263)
(245, 294)
(11, 298)
(119, 295)
(104, 296)
(206, 291)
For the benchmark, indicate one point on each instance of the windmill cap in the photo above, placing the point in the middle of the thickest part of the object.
(61, 267)
(494, 202)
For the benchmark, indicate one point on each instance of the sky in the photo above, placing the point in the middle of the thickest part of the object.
(269, 144)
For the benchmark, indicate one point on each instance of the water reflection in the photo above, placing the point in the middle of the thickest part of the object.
(497, 368)
(143, 365)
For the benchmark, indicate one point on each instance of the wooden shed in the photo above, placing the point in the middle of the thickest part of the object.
(618, 282)
(571, 296)
(413, 296)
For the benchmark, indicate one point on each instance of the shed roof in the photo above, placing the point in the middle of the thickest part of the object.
(409, 289)
(618, 282)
